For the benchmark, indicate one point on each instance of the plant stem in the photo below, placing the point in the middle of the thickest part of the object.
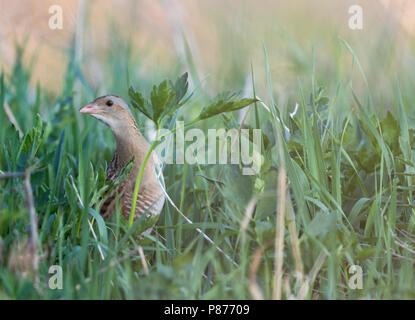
(141, 171)
(137, 184)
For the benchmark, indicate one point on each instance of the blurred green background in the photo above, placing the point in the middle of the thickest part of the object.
(224, 38)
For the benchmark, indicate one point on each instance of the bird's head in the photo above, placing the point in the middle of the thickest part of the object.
(111, 110)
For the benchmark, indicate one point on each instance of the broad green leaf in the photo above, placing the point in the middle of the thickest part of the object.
(180, 88)
(161, 99)
(322, 223)
(138, 102)
(225, 103)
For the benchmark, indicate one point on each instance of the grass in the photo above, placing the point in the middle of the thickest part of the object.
(335, 190)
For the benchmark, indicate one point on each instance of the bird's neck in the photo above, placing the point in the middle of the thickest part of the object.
(131, 143)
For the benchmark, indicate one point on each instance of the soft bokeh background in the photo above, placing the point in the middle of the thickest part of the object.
(224, 38)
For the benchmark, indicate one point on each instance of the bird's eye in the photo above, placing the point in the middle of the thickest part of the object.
(109, 103)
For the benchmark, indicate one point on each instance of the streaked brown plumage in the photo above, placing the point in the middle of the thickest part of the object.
(114, 112)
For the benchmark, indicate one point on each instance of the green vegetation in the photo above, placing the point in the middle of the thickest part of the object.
(335, 189)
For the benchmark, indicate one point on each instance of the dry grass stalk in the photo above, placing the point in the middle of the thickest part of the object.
(12, 119)
(254, 288)
(33, 240)
(20, 258)
(279, 237)
(295, 244)
(250, 208)
(305, 287)
(286, 286)
(143, 259)
(304, 283)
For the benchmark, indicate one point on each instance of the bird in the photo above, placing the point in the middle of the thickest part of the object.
(130, 143)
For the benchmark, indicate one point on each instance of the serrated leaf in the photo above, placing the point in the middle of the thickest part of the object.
(180, 88)
(35, 138)
(224, 104)
(161, 98)
(138, 102)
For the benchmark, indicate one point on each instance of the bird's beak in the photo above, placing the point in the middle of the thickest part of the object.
(89, 109)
